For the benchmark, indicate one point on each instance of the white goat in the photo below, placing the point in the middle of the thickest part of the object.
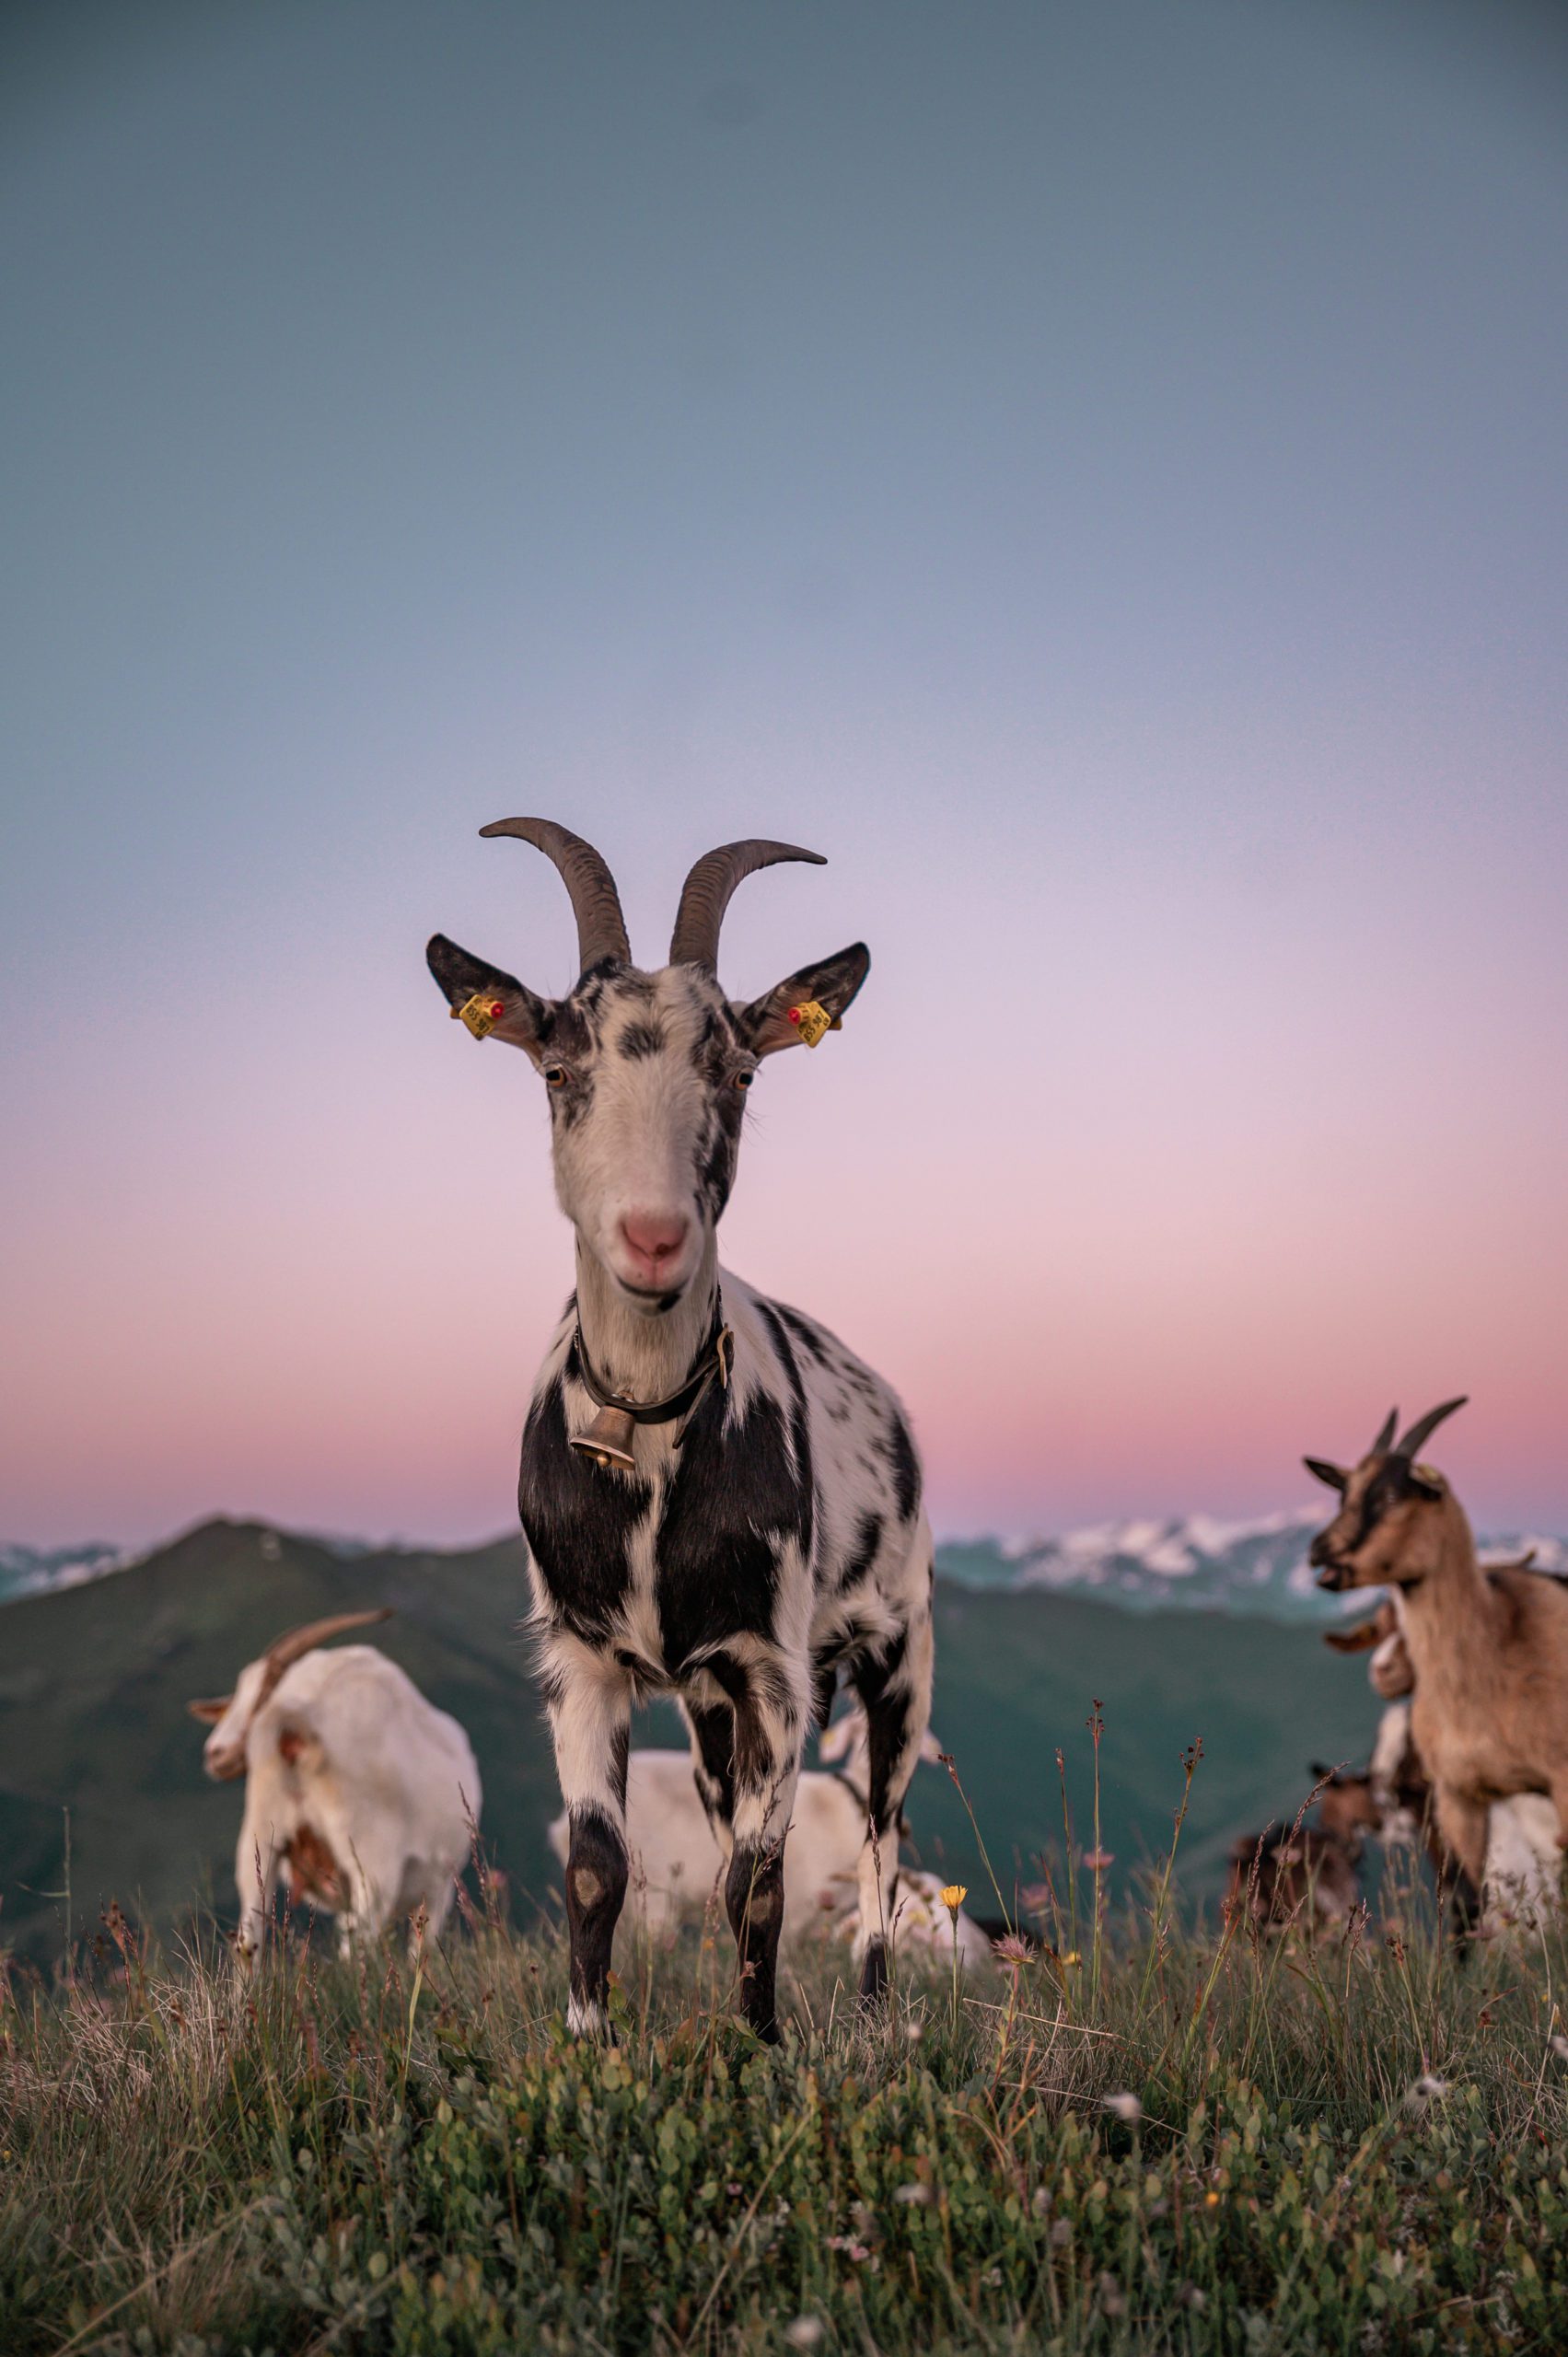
(676, 1859)
(360, 1795)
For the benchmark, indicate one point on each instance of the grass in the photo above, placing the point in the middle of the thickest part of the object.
(1181, 2141)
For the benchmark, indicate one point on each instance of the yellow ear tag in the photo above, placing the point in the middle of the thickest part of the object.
(480, 1012)
(813, 1022)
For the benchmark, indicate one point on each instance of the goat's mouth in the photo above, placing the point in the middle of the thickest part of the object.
(655, 1300)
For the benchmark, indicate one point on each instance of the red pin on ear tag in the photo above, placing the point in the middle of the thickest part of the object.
(480, 1014)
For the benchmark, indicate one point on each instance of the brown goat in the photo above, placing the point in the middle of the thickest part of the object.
(1489, 1649)
(1306, 1875)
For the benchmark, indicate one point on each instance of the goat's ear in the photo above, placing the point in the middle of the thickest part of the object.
(1420, 1481)
(1359, 1640)
(523, 1019)
(210, 1713)
(1334, 1476)
(765, 1024)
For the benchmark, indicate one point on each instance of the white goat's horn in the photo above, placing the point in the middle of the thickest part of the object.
(287, 1649)
(706, 893)
(1425, 1426)
(596, 903)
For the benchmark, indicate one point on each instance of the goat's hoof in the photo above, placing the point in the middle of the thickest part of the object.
(873, 1972)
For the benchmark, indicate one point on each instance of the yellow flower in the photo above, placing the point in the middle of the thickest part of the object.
(954, 1896)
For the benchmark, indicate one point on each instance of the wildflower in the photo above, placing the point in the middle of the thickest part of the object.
(917, 2197)
(1125, 2107)
(914, 2030)
(1560, 2046)
(732, 2187)
(850, 2247)
(1097, 1861)
(1187, 2295)
(1211, 2201)
(1427, 2090)
(806, 2332)
(1040, 2205)
(954, 1896)
(1110, 2300)
(1011, 1951)
(1061, 2233)
(1072, 1956)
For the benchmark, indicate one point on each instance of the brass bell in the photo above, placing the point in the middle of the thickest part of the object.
(609, 1439)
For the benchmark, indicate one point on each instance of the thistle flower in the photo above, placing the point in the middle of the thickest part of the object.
(1125, 2107)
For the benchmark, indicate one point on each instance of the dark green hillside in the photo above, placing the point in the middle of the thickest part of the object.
(93, 1682)
(1017, 1673)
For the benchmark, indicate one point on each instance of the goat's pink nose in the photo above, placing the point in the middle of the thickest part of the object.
(655, 1237)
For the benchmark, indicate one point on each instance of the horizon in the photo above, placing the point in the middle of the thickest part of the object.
(1096, 476)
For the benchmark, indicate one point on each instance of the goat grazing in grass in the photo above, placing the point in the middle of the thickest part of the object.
(720, 1502)
(1524, 1865)
(676, 1860)
(1488, 1649)
(359, 1793)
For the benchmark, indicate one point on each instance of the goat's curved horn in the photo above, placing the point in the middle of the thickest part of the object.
(1383, 1441)
(706, 893)
(601, 928)
(288, 1648)
(1421, 1431)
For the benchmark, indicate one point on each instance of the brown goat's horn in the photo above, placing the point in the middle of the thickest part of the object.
(601, 928)
(284, 1651)
(705, 895)
(1421, 1431)
(1381, 1444)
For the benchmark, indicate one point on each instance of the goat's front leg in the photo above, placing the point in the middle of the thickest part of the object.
(589, 1703)
(770, 1729)
(895, 1693)
(1464, 1824)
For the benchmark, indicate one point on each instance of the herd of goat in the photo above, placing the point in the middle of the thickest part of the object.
(362, 1799)
(724, 1505)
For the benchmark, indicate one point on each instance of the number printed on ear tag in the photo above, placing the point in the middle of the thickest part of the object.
(813, 1022)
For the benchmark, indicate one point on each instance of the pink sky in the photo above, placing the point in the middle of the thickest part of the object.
(1107, 493)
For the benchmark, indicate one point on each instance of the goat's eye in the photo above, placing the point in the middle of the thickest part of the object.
(556, 1075)
(744, 1079)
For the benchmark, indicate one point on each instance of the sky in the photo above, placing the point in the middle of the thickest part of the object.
(1097, 473)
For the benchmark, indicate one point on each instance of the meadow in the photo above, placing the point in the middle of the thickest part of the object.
(1142, 2135)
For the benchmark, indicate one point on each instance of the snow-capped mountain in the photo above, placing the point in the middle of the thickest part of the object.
(30, 1571)
(1196, 1564)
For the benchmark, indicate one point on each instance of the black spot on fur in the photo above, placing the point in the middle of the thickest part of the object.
(596, 1874)
(863, 1554)
(642, 1039)
(713, 1730)
(735, 1501)
(800, 1422)
(577, 1519)
(874, 1970)
(753, 1894)
(906, 1467)
(809, 1337)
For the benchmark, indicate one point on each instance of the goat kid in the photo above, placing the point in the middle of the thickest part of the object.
(720, 1502)
(359, 1795)
(1488, 1649)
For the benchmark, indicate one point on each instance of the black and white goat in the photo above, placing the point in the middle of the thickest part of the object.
(720, 1502)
